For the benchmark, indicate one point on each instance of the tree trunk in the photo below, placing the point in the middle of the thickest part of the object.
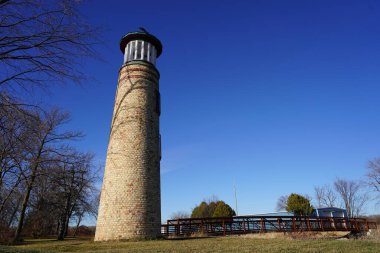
(9, 194)
(78, 224)
(61, 231)
(23, 209)
(26, 198)
(67, 225)
(69, 214)
(57, 228)
(64, 220)
(14, 213)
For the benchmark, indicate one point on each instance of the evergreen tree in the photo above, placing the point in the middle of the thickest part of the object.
(299, 205)
(212, 209)
(223, 210)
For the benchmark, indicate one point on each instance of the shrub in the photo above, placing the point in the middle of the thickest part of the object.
(223, 210)
(299, 205)
(212, 209)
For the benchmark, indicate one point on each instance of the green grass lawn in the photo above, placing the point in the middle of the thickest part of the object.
(219, 244)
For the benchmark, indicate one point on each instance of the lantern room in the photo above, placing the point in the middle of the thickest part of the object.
(140, 46)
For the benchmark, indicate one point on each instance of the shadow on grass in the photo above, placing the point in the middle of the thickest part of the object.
(189, 238)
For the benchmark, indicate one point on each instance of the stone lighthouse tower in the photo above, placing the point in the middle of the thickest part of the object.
(130, 202)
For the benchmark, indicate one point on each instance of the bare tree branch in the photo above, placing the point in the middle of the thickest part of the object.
(43, 41)
(373, 174)
(325, 196)
(282, 203)
(354, 199)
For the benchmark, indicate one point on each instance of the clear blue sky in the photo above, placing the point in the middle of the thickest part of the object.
(274, 96)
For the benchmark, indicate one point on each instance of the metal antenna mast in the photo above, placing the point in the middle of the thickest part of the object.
(236, 205)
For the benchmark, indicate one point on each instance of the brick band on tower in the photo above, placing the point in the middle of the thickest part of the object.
(130, 202)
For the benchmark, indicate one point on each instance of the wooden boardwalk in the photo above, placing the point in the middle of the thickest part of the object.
(262, 224)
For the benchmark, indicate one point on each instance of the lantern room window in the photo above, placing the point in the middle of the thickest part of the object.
(140, 50)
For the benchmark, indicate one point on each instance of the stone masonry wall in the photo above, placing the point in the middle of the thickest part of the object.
(130, 204)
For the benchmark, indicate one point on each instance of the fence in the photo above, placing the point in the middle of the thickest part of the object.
(262, 224)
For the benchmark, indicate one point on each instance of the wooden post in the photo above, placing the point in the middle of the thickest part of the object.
(333, 223)
(308, 223)
(263, 228)
(279, 224)
(322, 227)
(177, 228)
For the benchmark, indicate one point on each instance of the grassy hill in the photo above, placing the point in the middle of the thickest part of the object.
(218, 244)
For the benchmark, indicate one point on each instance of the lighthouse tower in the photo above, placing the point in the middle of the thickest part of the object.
(130, 202)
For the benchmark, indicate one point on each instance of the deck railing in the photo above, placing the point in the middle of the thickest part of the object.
(262, 224)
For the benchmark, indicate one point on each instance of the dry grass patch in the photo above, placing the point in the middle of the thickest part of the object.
(374, 234)
(297, 235)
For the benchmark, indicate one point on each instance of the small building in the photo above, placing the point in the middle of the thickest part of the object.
(280, 213)
(330, 212)
(333, 212)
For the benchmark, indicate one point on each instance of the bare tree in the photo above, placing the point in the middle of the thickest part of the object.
(373, 175)
(354, 199)
(64, 194)
(179, 215)
(282, 203)
(325, 196)
(44, 143)
(13, 132)
(42, 211)
(42, 41)
(74, 179)
(89, 207)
